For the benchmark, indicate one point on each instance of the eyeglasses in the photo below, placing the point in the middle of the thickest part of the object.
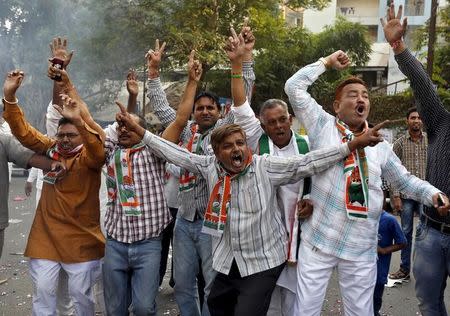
(68, 135)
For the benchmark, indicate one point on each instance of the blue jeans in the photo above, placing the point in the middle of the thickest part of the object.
(407, 218)
(431, 269)
(131, 276)
(189, 246)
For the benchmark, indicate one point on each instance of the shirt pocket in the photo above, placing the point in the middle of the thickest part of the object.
(250, 199)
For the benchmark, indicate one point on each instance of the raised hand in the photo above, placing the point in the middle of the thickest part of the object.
(12, 83)
(194, 68)
(132, 83)
(70, 110)
(235, 46)
(394, 29)
(154, 58)
(58, 50)
(338, 60)
(64, 81)
(249, 39)
(370, 137)
(125, 119)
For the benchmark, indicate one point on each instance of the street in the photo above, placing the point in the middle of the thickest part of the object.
(16, 291)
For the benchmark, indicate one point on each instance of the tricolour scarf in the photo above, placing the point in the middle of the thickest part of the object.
(219, 201)
(356, 177)
(55, 153)
(119, 179)
(187, 179)
(266, 147)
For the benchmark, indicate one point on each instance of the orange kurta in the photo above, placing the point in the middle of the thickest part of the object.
(66, 227)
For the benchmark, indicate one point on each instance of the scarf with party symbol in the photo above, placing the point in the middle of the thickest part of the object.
(356, 177)
(219, 201)
(120, 183)
(187, 179)
(55, 153)
(266, 147)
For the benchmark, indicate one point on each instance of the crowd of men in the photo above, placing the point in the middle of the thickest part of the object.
(263, 215)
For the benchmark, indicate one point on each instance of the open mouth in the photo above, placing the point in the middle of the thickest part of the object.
(360, 109)
(236, 160)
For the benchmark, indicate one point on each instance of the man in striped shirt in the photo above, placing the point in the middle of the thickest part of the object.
(273, 135)
(190, 245)
(347, 198)
(432, 247)
(247, 252)
(411, 149)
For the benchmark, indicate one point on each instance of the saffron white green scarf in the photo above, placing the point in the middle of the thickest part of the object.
(120, 183)
(356, 173)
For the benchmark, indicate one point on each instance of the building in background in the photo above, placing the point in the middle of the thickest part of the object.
(381, 68)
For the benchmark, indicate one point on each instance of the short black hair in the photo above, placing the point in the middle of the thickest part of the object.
(142, 121)
(410, 110)
(64, 121)
(209, 95)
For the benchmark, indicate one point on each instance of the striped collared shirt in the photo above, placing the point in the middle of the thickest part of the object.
(329, 228)
(192, 201)
(254, 234)
(148, 176)
(413, 155)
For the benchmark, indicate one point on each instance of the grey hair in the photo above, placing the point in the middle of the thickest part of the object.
(270, 104)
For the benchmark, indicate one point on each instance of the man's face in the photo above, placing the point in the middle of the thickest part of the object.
(233, 153)
(68, 136)
(353, 106)
(128, 138)
(276, 123)
(414, 122)
(206, 113)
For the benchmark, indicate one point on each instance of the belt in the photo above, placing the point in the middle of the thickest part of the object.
(442, 227)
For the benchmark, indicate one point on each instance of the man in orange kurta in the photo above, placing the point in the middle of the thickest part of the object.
(66, 229)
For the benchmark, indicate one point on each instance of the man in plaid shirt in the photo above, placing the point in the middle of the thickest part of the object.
(342, 232)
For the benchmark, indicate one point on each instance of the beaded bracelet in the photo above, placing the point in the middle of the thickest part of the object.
(236, 75)
(11, 103)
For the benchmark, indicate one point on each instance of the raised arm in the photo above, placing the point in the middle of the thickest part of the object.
(27, 135)
(60, 58)
(173, 131)
(69, 89)
(156, 94)
(290, 170)
(95, 155)
(306, 109)
(165, 149)
(430, 107)
(133, 91)
(247, 60)
(243, 113)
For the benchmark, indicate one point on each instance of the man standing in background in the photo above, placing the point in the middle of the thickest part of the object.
(411, 149)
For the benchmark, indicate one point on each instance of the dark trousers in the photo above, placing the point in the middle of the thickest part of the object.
(233, 295)
(167, 237)
(378, 298)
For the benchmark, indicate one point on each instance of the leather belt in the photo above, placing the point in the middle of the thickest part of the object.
(442, 227)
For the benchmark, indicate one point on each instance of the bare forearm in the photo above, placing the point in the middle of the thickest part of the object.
(237, 83)
(173, 131)
(40, 162)
(390, 249)
(132, 102)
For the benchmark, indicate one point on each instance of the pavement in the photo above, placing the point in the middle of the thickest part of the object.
(16, 288)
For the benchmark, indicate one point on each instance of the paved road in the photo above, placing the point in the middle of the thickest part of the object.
(15, 294)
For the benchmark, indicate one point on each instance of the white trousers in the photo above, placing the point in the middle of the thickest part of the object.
(81, 278)
(356, 282)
